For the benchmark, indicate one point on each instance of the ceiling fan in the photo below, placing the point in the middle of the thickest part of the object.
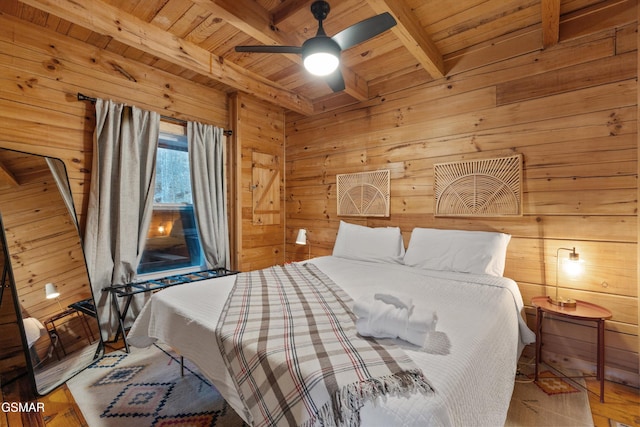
(321, 53)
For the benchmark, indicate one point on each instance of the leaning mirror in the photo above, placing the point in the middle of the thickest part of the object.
(46, 269)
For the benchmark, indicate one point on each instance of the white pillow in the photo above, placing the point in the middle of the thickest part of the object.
(33, 329)
(480, 252)
(382, 244)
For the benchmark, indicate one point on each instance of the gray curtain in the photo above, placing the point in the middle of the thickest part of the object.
(206, 157)
(125, 142)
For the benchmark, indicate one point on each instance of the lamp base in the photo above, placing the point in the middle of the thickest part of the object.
(563, 302)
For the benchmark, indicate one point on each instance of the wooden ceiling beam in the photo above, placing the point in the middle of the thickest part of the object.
(412, 35)
(248, 17)
(105, 19)
(7, 176)
(550, 22)
(257, 22)
(286, 9)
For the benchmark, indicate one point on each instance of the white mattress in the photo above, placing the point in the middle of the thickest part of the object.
(470, 359)
(33, 329)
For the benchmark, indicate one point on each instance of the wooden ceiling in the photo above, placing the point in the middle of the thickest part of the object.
(17, 168)
(195, 39)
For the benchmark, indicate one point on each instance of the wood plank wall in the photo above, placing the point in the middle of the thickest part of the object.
(44, 246)
(578, 137)
(571, 110)
(42, 71)
(258, 127)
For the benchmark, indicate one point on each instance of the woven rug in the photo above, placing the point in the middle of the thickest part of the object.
(553, 401)
(145, 388)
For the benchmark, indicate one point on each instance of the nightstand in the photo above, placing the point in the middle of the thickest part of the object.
(582, 311)
(52, 329)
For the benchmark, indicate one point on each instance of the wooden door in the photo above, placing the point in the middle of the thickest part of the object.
(265, 173)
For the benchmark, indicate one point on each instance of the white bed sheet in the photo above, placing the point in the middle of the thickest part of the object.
(470, 359)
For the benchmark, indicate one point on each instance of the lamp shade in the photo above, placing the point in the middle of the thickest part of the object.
(51, 291)
(572, 266)
(321, 63)
(302, 237)
(320, 56)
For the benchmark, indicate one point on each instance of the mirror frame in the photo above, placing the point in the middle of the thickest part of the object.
(99, 345)
(7, 274)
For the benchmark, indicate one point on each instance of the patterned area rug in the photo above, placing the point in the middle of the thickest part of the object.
(552, 401)
(551, 384)
(145, 388)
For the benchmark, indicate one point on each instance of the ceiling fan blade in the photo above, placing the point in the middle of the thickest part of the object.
(364, 30)
(269, 49)
(335, 81)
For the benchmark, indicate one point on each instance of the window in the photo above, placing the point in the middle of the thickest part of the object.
(172, 240)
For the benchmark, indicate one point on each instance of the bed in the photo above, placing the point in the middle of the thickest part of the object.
(469, 356)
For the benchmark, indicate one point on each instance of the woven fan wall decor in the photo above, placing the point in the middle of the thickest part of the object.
(364, 193)
(488, 188)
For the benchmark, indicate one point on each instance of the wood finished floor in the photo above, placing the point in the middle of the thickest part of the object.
(622, 405)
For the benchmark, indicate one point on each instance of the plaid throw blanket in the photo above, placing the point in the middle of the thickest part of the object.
(289, 340)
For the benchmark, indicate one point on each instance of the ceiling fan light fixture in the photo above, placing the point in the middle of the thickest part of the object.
(321, 56)
(321, 63)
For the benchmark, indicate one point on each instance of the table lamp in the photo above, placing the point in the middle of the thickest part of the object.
(302, 239)
(51, 292)
(572, 266)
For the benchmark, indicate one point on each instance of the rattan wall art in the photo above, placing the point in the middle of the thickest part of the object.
(488, 188)
(364, 193)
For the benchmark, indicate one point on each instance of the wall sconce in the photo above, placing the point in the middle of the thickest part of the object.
(51, 292)
(572, 267)
(302, 239)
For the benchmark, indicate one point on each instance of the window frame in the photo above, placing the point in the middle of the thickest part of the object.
(173, 137)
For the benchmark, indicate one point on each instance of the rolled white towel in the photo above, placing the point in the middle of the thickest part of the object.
(421, 320)
(414, 337)
(381, 320)
(379, 312)
(366, 329)
(363, 307)
(396, 299)
(387, 319)
(362, 325)
(417, 332)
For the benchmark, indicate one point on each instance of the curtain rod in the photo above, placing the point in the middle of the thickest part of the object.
(82, 97)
